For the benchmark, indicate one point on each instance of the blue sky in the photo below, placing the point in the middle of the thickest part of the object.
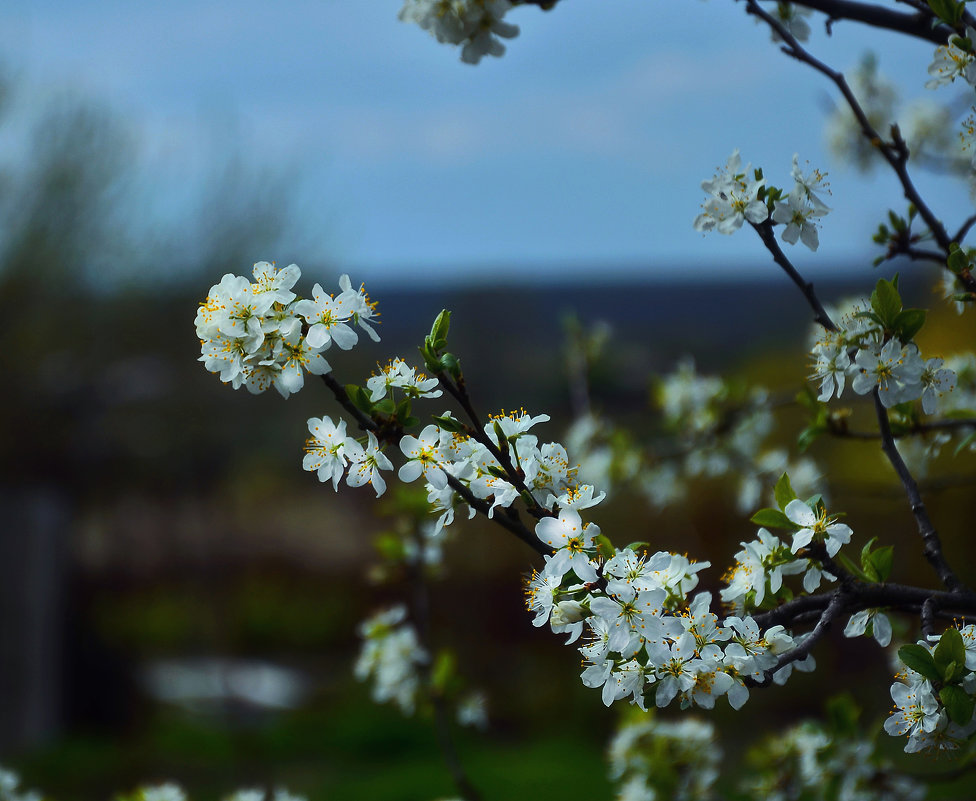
(584, 145)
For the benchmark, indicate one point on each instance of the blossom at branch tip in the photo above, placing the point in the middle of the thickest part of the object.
(797, 215)
(399, 375)
(816, 526)
(474, 24)
(952, 61)
(733, 199)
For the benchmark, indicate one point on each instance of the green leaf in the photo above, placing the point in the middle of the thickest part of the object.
(410, 422)
(880, 563)
(943, 9)
(842, 715)
(773, 518)
(448, 423)
(449, 364)
(950, 649)
(886, 302)
(867, 315)
(908, 323)
(604, 547)
(958, 260)
(965, 443)
(815, 502)
(500, 436)
(431, 362)
(958, 704)
(851, 567)
(866, 550)
(637, 546)
(359, 398)
(809, 435)
(783, 491)
(920, 660)
(440, 328)
(385, 406)
(443, 670)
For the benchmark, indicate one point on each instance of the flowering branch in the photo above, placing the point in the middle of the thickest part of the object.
(895, 152)
(458, 391)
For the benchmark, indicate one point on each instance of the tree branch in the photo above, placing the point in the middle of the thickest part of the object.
(918, 24)
(894, 152)
(506, 518)
(930, 538)
(515, 474)
(766, 234)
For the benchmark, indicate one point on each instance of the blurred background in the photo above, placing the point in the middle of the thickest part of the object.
(178, 598)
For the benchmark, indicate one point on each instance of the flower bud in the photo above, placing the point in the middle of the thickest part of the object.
(567, 612)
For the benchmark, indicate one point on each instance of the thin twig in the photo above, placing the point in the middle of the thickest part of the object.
(894, 152)
(930, 537)
(765, 231)
(964, 228)
(506, 518)
(918, 25)
(366, 423)
(834, 608)
(515, 474)
(915, 428)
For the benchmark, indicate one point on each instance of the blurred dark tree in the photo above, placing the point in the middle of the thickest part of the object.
(95, 343)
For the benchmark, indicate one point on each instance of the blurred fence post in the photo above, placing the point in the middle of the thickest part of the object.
(33, 539)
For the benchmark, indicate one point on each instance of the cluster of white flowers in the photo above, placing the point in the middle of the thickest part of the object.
(391, 656)
(279, 794)
(475, 24)
(934, 697)
(400, 375)
(168, 791)
(735, 195)
(645, 637)
(720, 433)
(10, 788)
(258, 334)
(955, 59)
(762, 563)
(811, 763)
(858, 351)
(657, 759)
(329, 451)
(437, 454)
(733, 199)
